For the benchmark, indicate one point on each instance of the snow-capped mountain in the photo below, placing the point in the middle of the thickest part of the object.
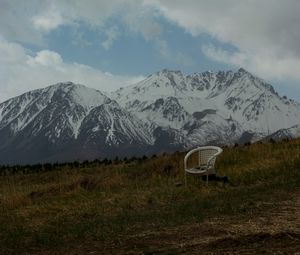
(67, 122)
(225, 104)
(166, 111)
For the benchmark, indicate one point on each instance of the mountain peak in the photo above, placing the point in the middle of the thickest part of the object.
(242, 70)
(168, 72)
(256, 80)
(67, 84)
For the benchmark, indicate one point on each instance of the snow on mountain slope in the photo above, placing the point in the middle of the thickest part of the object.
(71, 119)
(212, 129)
(64, 107)
(288, 133)
(239, 95)
(165, 112)
(72, 102)
(112, 125)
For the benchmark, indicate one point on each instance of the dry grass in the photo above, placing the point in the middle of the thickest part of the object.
(56, 210)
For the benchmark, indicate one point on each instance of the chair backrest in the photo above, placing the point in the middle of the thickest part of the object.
(205, 154)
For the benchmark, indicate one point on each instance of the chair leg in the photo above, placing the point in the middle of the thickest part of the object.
(207, 179)
(185, 178)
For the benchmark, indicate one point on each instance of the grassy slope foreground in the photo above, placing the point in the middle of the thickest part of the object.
(137, 206)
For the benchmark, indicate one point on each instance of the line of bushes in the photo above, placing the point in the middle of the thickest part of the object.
(46, 167)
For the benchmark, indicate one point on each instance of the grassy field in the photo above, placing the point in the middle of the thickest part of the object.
(139, 207)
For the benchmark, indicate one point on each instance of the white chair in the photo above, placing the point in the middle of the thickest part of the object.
(206, 160)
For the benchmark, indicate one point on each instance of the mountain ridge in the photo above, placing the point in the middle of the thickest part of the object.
(209, 91)
(166, 111)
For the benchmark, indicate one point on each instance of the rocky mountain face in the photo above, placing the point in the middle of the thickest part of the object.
(165, 112)
(221, 107)
(67, 122)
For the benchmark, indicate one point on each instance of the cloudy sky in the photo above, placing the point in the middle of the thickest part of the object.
(112, 43)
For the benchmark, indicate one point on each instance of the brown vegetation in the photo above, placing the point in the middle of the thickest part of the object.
(137, 206)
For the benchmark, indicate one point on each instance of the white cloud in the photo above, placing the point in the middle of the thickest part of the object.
(21, 72)
(45, 58)
(266, 33)
(28, 21)
(48, 21)
(221, 55)
(269, 67)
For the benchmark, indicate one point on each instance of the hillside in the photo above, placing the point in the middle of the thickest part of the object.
(137, 206)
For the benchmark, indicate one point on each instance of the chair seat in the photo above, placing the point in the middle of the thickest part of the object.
(197, 170)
